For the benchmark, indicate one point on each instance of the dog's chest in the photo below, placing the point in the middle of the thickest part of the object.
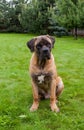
(42, 78)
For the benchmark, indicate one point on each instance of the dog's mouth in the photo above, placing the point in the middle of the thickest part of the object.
(43, 58)
(46, 56)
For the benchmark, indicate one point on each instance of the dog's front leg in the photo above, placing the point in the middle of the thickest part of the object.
(35, 104)
(53, 97)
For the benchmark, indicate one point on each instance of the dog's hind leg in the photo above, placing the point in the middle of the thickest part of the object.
(59, 87)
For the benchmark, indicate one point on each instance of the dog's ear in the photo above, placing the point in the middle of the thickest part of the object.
(52, 39)
(30, 44)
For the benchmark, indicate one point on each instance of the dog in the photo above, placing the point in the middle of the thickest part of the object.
(45, 81)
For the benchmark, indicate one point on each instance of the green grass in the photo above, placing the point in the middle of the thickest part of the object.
(16, 92)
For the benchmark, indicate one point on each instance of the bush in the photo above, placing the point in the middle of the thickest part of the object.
(14, 28)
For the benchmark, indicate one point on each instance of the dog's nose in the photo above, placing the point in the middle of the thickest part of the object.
(45, 49)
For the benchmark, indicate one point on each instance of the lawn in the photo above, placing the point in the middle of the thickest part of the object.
(15, 86)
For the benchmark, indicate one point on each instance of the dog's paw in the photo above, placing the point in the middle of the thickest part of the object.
(34, 107)
(54, 108)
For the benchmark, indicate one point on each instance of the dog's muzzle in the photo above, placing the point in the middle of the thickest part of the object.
(46, 52)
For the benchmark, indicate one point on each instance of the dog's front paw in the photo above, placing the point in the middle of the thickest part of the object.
(54, 108)
(34, 107)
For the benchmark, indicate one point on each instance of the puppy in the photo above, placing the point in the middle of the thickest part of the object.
(45, 81)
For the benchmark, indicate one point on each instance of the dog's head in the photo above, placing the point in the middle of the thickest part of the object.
(42, 46)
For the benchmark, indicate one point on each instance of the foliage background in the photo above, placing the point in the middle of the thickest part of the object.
(45, 16)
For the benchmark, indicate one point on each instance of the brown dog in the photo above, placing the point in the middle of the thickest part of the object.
(45, 81)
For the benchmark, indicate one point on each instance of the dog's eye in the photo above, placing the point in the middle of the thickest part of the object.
(39, 46)
(49, 45)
